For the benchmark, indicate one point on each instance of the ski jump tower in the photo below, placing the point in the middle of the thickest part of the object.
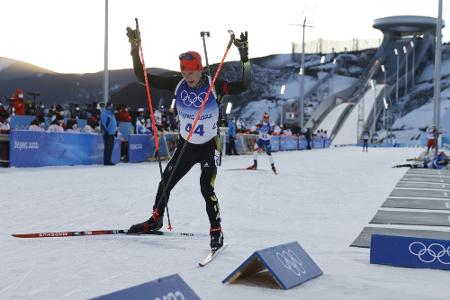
(408, 43)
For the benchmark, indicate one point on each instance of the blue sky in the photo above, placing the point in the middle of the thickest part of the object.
(67, 35)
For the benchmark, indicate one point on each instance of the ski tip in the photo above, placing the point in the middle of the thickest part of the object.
(212, 255)
(24, 235)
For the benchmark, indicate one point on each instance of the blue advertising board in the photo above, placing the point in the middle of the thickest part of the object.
(302, 144)
(170, 287)
(317, 142)
(410, 252)
(38, 149)
(275, 143)
(141, 147)
(289, 143)
(125, 129)
(288, 264)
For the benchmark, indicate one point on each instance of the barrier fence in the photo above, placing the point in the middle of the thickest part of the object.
(36, 149)
(142, 147)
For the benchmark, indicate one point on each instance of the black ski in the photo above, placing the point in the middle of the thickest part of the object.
(106, 232)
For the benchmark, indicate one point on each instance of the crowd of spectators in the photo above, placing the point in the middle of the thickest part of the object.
(67, 118)
(60, 118)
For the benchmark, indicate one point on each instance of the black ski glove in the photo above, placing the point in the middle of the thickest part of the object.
(134, 37)
(242, 45)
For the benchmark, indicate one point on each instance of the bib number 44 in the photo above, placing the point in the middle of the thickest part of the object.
(198, 130)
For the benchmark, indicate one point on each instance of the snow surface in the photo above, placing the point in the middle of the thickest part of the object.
(321, 198)
(428, 72)
(331, 119)
(254, 110)
(423, 117)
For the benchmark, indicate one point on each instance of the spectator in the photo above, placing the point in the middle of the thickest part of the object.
(172, 119)
(72, 126)
(30, 108)
(159, 120)
(37, 125)
(57, 125)
(91, 126)
(148, 124)
(96, 111)
(40, 110)
(109, 128)
(4, 115)
(394, 140)
(287, 132)
(4, 124)
(325, 138)
(140, 126)
(139, 115)
(232, 138)
(165, 119)
(18, 106)
(123, 115)
(308, 136)
(433, 135)
(4, 129)
(51, 112)
(76, 112)
(366, 137)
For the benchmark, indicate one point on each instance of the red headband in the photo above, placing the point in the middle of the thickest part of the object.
(190, 61)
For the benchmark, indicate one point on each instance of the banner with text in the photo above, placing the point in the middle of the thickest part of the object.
(38, 149)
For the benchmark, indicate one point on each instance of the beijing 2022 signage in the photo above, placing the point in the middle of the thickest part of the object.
(410, 252)
(288, 264)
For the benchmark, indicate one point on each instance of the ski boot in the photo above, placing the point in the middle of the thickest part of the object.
(216, 238)
(254, 166)
(274, 169)
(154, 223)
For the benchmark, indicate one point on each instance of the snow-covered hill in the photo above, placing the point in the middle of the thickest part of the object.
(416, 108)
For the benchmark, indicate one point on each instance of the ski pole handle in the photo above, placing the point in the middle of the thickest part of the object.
(138, 33)
(203, 34)
(231, 38)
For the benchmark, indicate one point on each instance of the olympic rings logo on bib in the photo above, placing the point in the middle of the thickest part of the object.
(192, 99)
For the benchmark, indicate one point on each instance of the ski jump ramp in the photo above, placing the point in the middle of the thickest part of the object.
(348, 134)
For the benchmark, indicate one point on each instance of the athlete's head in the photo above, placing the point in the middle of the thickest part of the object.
(191, 67)
(266, 117)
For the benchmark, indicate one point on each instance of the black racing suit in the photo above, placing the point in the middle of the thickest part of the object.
(202, 146)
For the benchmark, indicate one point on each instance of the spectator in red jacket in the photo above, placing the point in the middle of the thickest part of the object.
(17, 102)
(123, 115)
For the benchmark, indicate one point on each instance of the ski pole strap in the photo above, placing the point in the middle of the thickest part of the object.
(147, 89)
(200, 111)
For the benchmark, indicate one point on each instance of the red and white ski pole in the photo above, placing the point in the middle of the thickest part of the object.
(152, 116)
